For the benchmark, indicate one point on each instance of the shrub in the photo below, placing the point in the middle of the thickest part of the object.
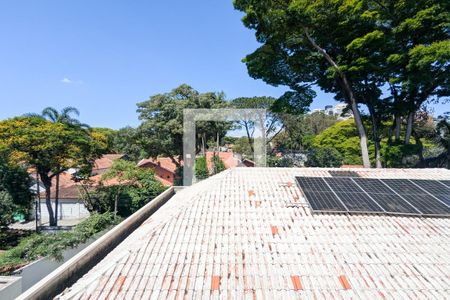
(218, 165)
(201, 168)
(324, 157)
(52, 245)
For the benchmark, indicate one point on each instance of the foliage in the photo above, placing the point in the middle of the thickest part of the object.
(324, 157)
(52, 245)
(342, 137)
(161, 131)
(355, 49)
(399, 155)
(243, 147)
(15, 194)
(50, 148)
(124, 187)
(279, 162)
(126, 141)
(201, 168)
(218, 165)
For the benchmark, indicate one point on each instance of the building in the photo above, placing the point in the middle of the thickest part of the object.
(249, 233)
(337, 110)
(70, 206)
(165, 169)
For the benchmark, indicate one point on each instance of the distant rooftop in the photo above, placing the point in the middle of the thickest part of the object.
(236, 235)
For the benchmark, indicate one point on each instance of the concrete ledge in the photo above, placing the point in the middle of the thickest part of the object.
(77, 266)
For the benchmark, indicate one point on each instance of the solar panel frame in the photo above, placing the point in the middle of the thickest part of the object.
(445, 183)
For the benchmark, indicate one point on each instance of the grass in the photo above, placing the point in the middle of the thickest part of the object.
(40, 245)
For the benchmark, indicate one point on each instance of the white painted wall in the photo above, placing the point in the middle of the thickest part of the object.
(68, 209)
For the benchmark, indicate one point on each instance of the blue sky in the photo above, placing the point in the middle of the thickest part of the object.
(105, 56)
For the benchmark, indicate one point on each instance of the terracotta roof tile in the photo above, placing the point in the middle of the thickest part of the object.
(211, 241)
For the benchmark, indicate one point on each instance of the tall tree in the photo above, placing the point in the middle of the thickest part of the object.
(161, 131)
(304, 43)
(63, 117)
(50, 148)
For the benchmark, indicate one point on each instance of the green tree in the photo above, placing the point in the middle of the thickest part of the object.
(324, 158)
(127, 141)
(161, 131)
(218, 165)
(50, 148)
(15, 194)
(304, 43)
(201, 168)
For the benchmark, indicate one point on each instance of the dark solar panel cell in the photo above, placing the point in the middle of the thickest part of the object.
(343, 173)
(392, 203)
(313, 184)
(445, 182)
(373, 186)
(436, 189)
(403, 186)
(427, 204)
(319, 195)
(325, 201)
(352, 195)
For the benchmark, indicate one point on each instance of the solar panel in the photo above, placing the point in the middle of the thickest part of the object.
(354, 198)
(446, 183)
(385, 197)
(435, 188)
(343, 173)
(417, 197)
(370, 195)
(319, 195)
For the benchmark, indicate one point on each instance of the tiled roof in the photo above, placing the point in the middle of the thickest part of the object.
(235, 236)
(163, 162)
(106, 161)
(227, 157)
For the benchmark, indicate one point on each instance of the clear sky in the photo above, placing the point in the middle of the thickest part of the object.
(104, 56)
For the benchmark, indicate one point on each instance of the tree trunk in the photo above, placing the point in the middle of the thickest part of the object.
(422, 162)
(350, 96)
(116, 200)
(38, 208)
(409, 127)
(249, 137)
(56, 199)
(375, 135)
(398, 124)
(48, 184)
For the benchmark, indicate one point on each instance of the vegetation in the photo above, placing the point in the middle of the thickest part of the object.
(124, 189)
(218, 165)
(326, 157)
(393, 57)
(201, 168)
(15, 194)
(49, 148)
(52, 245)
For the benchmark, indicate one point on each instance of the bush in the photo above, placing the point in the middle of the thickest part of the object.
(324, 157)
(218, 165)
(201, 168)
(279, 162)
(52, 245)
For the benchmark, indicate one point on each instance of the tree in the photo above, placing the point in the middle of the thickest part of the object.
(15, 194)
(126, 180)
(343, 137)
(201, 168)
(127, 141)
(161, 131)
(324, 157)
(304, 43)
(218, 165)
(443, 136)
(50, 148)
(273, 126)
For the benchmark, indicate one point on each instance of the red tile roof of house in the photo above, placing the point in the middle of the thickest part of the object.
(211, 240)
(106, 161)
(227, 157)
(163, 162)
